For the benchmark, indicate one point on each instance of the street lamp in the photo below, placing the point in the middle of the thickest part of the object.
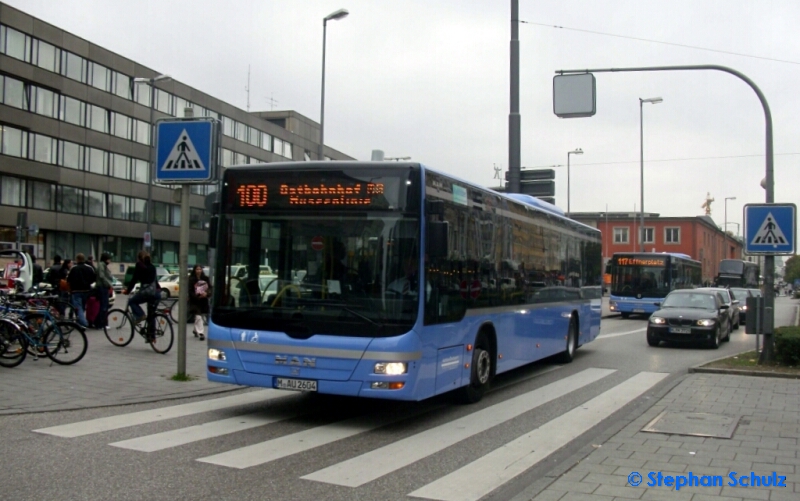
(152, 170)
(577, 151)
(333, 16)
(652, 100)
(737, 227)
(725, 228)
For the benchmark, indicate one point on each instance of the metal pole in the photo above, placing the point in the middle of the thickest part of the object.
(641, 173)
(322, 104)
(514, 119)
(568, 196)
(183, 274)
(151, 171)
(767, 354)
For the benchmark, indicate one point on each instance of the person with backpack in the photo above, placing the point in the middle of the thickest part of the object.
(199, 292)
(145, 275)
(80, 279)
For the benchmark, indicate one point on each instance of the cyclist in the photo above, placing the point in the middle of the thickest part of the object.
(144, 274)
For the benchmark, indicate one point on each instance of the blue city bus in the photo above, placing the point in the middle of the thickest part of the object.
(391, 280)
(641, 279)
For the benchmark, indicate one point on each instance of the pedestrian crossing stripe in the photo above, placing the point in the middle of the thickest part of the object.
(769, 233)
(469, 482)
(183, 155)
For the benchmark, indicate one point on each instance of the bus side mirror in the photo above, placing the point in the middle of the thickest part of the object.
(212, 232)
(436, 238)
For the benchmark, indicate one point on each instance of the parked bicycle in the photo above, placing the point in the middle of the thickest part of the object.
(120, 329)
(26, 331)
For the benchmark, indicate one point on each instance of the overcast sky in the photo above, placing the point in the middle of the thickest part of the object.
(430, 79)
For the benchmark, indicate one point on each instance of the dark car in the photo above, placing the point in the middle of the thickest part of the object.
(690, 315)
(740, 294)
(733, 304)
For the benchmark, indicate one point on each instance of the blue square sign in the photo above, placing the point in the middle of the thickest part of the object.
(770, 229)
(185, 151)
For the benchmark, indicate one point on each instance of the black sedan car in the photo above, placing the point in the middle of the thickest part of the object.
(690, 315)
(741, 295)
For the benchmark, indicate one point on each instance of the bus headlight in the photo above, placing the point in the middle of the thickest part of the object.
(612, 305)
(391, 368)
(706, 322)
(214, 354)
(657, 320)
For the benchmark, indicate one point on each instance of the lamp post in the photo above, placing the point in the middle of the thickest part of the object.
(577, 151)
(333, 16)
(737, 227)
(151, 171)
(652, 100)
(726, 213)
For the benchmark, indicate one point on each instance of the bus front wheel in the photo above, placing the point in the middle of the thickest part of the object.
(625, 315)
(480, 373)
(572, 343)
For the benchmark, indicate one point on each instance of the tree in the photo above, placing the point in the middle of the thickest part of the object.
(792, 272)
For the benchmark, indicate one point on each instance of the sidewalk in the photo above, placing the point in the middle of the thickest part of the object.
(765, 441)
(107, 375)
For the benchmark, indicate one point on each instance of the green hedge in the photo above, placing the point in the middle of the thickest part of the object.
(787, 345)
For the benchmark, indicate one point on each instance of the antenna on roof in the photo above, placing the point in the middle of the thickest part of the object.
(247, 89)
(272, 102)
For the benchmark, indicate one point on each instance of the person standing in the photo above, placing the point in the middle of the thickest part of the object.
(104, 281)
(80, 279)
(38, 274)
(199, 291)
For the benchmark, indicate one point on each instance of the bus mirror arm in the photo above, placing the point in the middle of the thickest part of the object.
(436, 239)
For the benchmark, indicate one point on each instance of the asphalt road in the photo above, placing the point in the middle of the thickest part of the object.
(434, 449)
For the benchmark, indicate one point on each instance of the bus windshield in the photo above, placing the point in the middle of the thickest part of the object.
(647, 280)
(342, 273)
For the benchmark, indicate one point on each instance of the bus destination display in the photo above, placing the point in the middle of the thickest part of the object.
(640, 261)
(260, 195)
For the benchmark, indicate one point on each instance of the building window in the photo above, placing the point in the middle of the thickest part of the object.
(98, 118)
(14, 93)
(620, 235)
(197, 218)
(241, 131)
(227, 157)
(118, 167)
(122, 125)
(175, 217)
(160, 213)
(118, 207)
(142, 92)
(70, 200)
(164, 102)
(253, 135)
(142, 132)
(138, 209)
(72, 66)
(17, 45)
(96, 161)
(672, 235)
(12, 191)
(47, 56)
(266, 141)
(100, 76)
(227, 126)
(95, 203)
(139, 170)
(14, 142)
(122, 85)
(46, 102)
(72, 111)
(41, 195)
(649, 235)
(71, 155)
(43, 149)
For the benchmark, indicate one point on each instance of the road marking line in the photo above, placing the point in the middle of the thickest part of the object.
(183, 436)
(618, 334)
(99, 425)
(489, 472)
(377, 463)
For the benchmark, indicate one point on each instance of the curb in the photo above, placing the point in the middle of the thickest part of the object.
(738, 372)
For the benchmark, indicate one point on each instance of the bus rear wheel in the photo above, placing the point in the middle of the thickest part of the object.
(481, 371)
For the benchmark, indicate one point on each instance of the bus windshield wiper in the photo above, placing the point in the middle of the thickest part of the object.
(350, 310)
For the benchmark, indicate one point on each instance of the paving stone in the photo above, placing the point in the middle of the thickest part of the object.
(549, 495)
(572, 486)
(619, 492)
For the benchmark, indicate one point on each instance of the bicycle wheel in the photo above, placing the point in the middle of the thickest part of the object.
(173, 311)
(13, 345)
(162, 341)
(65, 344)
(119, 328)
(36, 324)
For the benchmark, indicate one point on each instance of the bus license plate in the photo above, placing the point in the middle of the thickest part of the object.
(680, 330)
(295, 384)
(638, 310)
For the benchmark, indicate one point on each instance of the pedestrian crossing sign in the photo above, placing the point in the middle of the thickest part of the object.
(186, 151)
(770, 229)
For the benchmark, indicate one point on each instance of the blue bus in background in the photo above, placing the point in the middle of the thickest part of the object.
(391, 280)
(641, 279)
